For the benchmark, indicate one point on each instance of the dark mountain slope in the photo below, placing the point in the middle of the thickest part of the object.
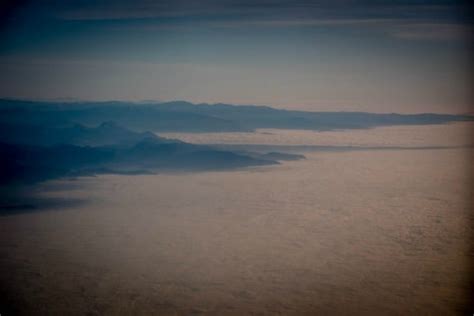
(186, 117)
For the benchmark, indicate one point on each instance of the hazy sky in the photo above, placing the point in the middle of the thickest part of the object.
(380, 56)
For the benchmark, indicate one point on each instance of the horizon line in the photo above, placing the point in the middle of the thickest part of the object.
(71, 100)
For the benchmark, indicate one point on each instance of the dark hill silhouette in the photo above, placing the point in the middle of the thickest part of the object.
(20, 164)
(30, 154)
(187, 117)
(107, 133)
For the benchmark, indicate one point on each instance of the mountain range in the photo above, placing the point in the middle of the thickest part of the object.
(45, 140)
(30, 154)
(181, 116)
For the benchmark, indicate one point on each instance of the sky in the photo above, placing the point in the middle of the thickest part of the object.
(348, 55)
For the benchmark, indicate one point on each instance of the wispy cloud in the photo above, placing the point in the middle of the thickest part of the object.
(262, 9)
(439, 20)
(403, 29)
(432, 31)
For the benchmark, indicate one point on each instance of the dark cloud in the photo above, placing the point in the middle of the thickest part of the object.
(434, 20)
(145, 9)
(8, 8)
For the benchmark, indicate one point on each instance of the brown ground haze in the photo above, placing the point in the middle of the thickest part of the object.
(340, 233)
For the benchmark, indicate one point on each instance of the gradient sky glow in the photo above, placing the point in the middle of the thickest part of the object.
(378, 56)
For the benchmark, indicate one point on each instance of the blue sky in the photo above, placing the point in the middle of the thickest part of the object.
(379, 56)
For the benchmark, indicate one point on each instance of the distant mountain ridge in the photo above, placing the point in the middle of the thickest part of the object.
(182, 116)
